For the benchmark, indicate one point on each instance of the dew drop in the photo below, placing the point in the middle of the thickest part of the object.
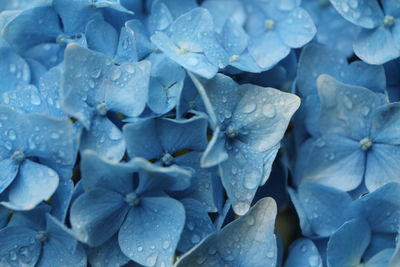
(192, 61)
(268, 110)
(249, 107)
(115, 74)
(195, 239)
(314, 261)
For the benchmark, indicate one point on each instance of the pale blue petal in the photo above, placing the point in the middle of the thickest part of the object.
(262, 115)
(114, 4)
(9, 169)
(147, 145)
(128, 93)
(194, 62)
(33, 184)
(257, 246)
(108, 254)
(101, 37)
(25, 99)
(198, 225)
(385, 124)
(268, 49)
(335, 161)
(97, 215)
(241, 175)
(364, 13)
(376, 46)
(32, 27)
(61, 199)
(380, 259)
(152, 230)
(105, 138)
(153, 177)
(51, 54)
(126, 50)
(345, 109)
(215, 152)
(303, 252)
(297, 28)
(98, 172)
(14, 71)
(324, 207)
(347, 245)
(50, 90)
(381, 166)
(160, 17)
(16, 247)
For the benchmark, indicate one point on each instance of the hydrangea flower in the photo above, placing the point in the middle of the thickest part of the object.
(35, 238)
(93, 86)
(32, 150)
(378, 41)
(358, 131)
(130, 199)
(249, 122)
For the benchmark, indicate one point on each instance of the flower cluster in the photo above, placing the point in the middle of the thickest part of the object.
(170, 133)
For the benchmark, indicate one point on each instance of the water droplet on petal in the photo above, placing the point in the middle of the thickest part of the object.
(249, 107)
(195, 239)
(115, 74)
(268, 110)
(114, 134)
(314, 261)
(192, 61)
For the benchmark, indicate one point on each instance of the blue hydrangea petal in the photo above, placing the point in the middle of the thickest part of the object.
(25, 99)
(297, 28)
(380, 208)
(50, 90)
(101, 37)
(37, 70)
(32, 27)
(61, 199)
(335, 161)
(198, 224)
(260, 46)
(15, 238)
(114, 4)
(381, 166)
(257, 245)
(179, 7)
(105, 138)
(262, 115)
(364, 13)
(109, 251)
(345, 109)
(153, 177)
(324, 207)
(50, 54)
(305, 224)
(97, 215)
(165, 86)
(147, 145)
(52, 140)
(224, 13)
(246, 63)
(33, 219)
(98, 172)
(234, 38)
(151, 231)
(14, 71)
(126, 50)
(195, 62)
(176, 135)
(365, 75)
(391, 7)
(310, 62)
(385, 124)
(202, 186)
(33, 184)
(61, 246)
(189, 29)
(396, 256)
(143, 44)
(382, 258)
(9, 171)
(241, 175)
(160, 17)
(215, 152)
(75, 14)
(379, 242)
(347, 245)
(303, 252)
(376, 46)
(129, 92)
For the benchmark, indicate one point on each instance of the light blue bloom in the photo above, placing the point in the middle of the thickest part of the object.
(378, 42)
(130, 199)
(93, 85)
(249, 121)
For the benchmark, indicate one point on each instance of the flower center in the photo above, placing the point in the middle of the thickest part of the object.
(132, 199)
(269, 24)
(388, 21)
(366, 143)
(42, 236)
(231, 132)
(167, 159)
(18, 156)
(101, 109)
